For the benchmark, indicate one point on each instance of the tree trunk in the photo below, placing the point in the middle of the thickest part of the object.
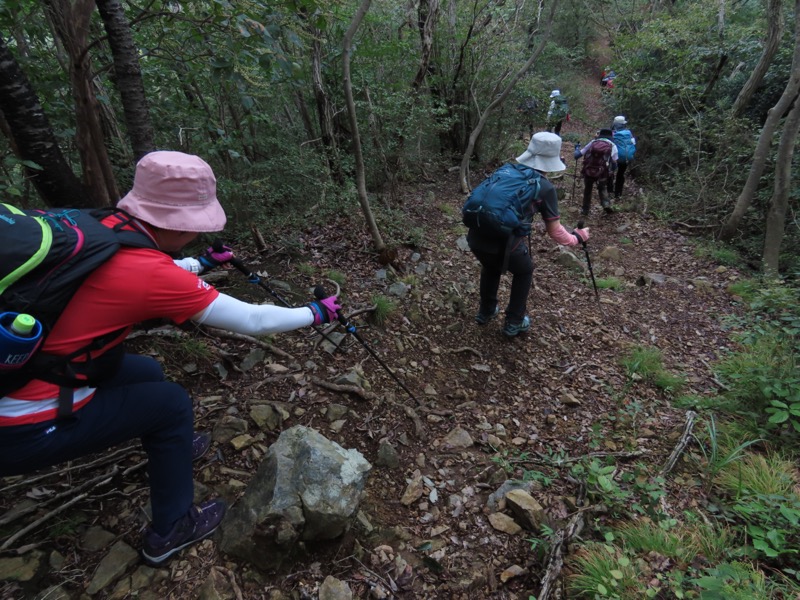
(377, 240)
(464, 170)
(32, 137)
(71, 23)
(776, 217)
(324, 110)
(765, 139)
(128, 77)
(774, 34)
(428, 15)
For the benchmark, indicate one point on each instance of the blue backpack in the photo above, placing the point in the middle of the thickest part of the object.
(623, 139)
(501, 205)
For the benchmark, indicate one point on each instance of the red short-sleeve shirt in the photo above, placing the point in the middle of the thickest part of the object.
(134, 285)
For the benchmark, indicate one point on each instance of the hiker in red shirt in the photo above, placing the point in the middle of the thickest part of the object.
(173, 200)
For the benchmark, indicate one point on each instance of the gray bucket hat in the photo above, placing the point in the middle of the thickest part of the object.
(543, 153)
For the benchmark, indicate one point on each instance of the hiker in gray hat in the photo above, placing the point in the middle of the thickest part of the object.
(497, 252)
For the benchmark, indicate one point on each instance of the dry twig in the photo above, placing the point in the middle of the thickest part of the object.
(682, 443)
(348, 389)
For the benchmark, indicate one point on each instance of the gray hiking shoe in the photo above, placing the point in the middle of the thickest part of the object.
(483, 319)
(607, 207)
(513, 329)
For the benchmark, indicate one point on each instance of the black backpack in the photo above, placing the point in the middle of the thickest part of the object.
(596, 159)
(44, 258)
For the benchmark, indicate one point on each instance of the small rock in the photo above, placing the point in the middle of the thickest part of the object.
(504, 523)
(511, 572)
(254, 357)
(334, 589)
(414, 489)
(458, 438)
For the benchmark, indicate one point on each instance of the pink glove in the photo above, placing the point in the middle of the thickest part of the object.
(212, 259)
(221, 257)
(581, 234)
(325, 310)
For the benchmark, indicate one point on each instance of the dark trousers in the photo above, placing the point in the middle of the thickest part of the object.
(556, 127)
(520, 266)
(136, 403)
(616, 183)
(588, 184)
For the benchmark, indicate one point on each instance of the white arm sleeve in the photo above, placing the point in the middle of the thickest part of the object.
(189, 264)
(234, 315)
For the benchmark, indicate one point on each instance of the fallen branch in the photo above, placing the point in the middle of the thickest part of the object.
(465, 349)
(55, 511)
(237, 591)
(555, 558)
(11, 516)
(347, 389)
(682, 443)
(560, 461)
(115, 456)
(222, 333)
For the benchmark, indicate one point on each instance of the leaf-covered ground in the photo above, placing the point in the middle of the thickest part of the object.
(485, 408)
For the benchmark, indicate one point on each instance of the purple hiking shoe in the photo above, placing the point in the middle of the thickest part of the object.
(199, 523)
(200, 444)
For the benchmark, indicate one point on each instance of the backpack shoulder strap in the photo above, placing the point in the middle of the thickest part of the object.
(135, 237)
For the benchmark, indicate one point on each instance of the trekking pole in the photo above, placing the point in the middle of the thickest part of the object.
(589, 262)
(218, 246)
(575, 177)
(319, 293)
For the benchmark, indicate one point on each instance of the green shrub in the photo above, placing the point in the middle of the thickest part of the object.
(642, 361)
(602, 571)
(609, 283)
(384, 308)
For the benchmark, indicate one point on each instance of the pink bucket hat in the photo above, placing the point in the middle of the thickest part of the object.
(175, 191)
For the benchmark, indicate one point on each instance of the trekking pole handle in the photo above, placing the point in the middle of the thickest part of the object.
(218, 246)
(320, 293)
(580, 226)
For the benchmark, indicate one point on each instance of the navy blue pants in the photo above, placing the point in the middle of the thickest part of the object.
(136, 403)
(520, 266)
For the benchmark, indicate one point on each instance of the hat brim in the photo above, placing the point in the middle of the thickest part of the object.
(548, 164)
(205, 218)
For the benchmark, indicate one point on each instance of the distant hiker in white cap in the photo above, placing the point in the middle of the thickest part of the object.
(626, 145)
(485, 213)
(558, 111)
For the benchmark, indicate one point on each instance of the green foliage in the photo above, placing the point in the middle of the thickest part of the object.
(772, 526)
(609, 283)
(336, 276)
(762, 474)
(600, 483)
(602, 571)
(384, 308)
(669, 382)
(763, 375)
(718, 252)
(305, 269)
(721, 451)
(642, 361)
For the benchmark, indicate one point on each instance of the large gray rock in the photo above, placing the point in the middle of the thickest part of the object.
(307, 488)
